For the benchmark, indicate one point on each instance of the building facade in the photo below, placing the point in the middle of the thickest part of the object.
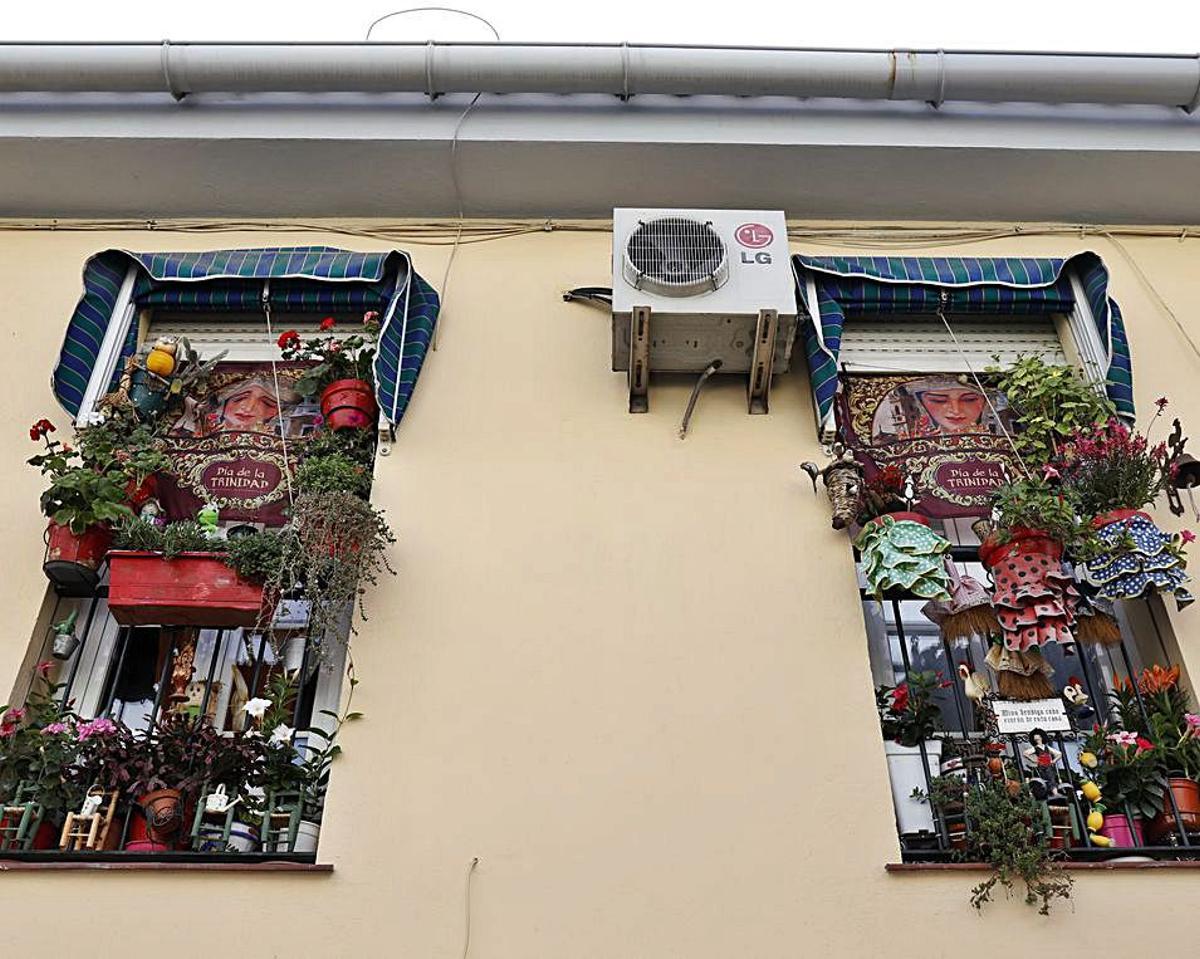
(618, 699)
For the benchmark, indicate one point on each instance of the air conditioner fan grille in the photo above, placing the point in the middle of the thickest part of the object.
(675, 256)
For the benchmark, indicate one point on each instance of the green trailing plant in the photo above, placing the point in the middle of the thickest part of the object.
(1006, 831)
(341, 544)
(261, 557)
(907, 712)
(355, 445)
(1051, 403)
(947, 794)
(333, 472)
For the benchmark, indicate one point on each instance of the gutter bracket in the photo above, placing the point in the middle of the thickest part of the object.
(165, 57)
(429, 90)
(941, 85)
(639, 360)
(1195, 102)
(758, 391)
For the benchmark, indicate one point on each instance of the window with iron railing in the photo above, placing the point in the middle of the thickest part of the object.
(903, 642)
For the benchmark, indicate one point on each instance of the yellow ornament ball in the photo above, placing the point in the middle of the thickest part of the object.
(160, 362)
(1088, 759)
(1091, 791)
(1095, 820)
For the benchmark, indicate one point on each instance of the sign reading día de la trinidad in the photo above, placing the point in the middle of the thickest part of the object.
(944, 431)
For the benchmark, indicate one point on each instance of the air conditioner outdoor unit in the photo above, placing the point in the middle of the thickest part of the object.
(700, 288)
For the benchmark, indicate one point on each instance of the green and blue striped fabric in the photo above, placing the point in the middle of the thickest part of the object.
(834, 289)
(314, 279)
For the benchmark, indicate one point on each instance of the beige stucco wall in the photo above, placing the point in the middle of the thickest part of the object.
(628, 673)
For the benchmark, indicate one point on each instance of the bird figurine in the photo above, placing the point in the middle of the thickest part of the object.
(161, 358)
(1077, 699)
(975, 684)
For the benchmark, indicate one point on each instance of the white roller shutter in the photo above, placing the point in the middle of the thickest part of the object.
(921, 344)
(243, 335)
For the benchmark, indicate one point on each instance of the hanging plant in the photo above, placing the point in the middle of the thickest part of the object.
(1112, 473)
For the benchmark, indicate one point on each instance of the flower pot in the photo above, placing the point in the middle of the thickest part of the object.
(1122, 830)
(147, 845)
(904, 767)
(72, 559)
(242, 838)
(349, 404)
(306, 836)
(64, 645)
(164, 813)
(193, 589)
(1186, 794)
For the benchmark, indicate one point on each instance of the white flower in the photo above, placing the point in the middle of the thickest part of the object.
(256, 707)
(282, 734)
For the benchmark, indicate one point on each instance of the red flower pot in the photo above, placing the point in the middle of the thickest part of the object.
(163, 809)
(1021, 539)
(72, 559)
(1187, 798)
(193, 589)
(349, 404)
(1122, 830)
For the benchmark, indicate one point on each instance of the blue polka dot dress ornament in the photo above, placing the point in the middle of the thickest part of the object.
(1137, 560)
(901, 552)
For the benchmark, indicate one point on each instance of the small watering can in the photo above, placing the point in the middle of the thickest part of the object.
(91, 803)
(218, 803)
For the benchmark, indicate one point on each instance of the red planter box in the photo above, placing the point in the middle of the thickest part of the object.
(193, 589)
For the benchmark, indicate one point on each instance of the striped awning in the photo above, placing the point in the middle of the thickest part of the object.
(316, 279)
(834, 289)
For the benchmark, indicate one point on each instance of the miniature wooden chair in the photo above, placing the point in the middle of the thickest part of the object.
(20, 819)
(88, 828)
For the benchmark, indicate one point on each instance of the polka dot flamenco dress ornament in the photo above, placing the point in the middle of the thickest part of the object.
(1136, 559)
(1034, 600)
(900, 552)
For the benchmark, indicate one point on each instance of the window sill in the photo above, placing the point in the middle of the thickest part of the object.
(1110, 865)
(145, 865)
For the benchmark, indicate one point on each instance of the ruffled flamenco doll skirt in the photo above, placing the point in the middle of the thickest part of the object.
(1136, 560)
(1034, 598)
(901, 553)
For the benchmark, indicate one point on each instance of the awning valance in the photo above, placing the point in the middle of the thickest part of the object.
(294, 279)
(834, 289)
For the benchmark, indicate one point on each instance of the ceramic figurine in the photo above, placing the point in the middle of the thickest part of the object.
(1044, 759)
(208, 517)
(65, 640)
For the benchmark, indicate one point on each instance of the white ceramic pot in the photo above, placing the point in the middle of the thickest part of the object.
(306, 836)
(242, 837)
(904, 767)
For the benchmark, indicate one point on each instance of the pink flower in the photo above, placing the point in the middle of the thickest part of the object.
(14, 715)
(371, 316)
(54, 729)
(1123, 738)
(1050, 473)
(44, 667)
(6, 730)
(97, 727)
(318, 420)
(1192, 720)
(1188, 536)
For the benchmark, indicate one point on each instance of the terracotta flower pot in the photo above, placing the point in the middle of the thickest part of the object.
(193, 589)
(1187, 797)
(349, 404)
(72, 559)
(163, 809)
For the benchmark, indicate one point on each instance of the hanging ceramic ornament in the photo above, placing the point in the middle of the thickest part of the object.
(1136, 559)
(1033, 595)
(901, 552)
(1095, 621)
(967, 613)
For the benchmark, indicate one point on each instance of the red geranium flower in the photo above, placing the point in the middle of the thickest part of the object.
(900, 698)
(41, 428)
(288, 339)
(328, 324)
(1144, 744)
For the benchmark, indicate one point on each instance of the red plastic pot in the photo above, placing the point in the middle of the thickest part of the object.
(1021, 540)
(193, 589)
(349, 404)
(72, 558)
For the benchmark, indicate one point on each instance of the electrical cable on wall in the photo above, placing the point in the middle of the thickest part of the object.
(458, 197)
